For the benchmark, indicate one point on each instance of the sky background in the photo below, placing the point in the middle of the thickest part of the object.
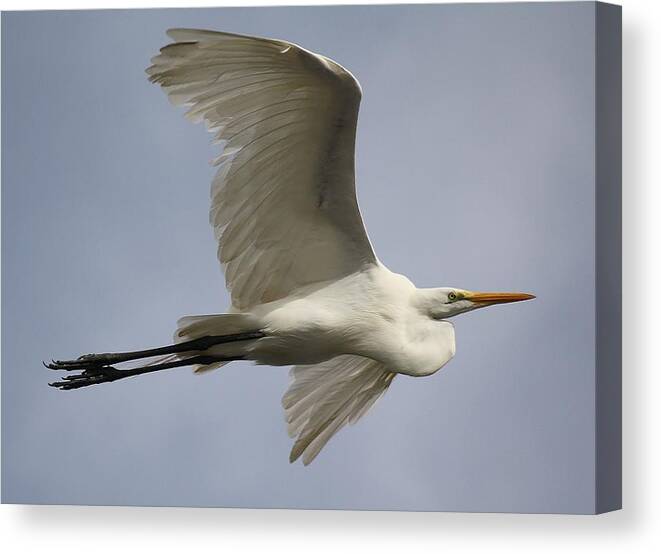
(475, 169)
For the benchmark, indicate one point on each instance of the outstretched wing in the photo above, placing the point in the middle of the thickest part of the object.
(323, 398)
(283, 203)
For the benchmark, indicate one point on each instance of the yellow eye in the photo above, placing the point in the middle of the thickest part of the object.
(452, 296)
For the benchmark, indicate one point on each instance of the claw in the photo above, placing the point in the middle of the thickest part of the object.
(58, 366)
(66, 365)
(78, 364)
(74, 377)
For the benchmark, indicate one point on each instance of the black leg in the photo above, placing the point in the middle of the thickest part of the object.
(96, 374)
(200, 344)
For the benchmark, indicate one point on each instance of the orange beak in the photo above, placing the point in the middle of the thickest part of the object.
(498, 297)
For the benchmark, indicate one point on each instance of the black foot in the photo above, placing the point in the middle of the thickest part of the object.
(93, 369)
(87, 360)
(87, 376)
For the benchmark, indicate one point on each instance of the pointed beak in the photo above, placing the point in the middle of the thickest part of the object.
(497, 297)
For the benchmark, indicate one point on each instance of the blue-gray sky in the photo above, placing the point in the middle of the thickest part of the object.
(475, 168)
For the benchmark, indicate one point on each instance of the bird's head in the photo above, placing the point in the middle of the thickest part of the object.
(441, 303)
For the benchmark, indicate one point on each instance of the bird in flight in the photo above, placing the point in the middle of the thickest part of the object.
(306, 287)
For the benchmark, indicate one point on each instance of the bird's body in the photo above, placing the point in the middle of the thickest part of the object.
(374, 313)
(306, 286)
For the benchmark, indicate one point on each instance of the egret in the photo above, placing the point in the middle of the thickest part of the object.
(306, 287)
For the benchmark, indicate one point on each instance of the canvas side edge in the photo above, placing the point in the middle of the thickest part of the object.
(608, 274)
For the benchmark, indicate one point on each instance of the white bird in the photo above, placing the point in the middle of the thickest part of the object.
(306, 287)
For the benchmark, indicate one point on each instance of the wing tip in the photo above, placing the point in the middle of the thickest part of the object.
(294, 455)
(184, 34)
(179, 34)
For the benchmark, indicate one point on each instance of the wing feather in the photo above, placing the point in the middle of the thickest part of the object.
(325, 397)
(283, 203)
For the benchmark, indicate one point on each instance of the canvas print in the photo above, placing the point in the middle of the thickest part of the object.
(468, 135)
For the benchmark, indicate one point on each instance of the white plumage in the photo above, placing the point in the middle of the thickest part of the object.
(324, 397)
(306, 287)
(283, 205)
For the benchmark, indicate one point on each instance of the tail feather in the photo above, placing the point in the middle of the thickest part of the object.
(198, 326)
(195, 326)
